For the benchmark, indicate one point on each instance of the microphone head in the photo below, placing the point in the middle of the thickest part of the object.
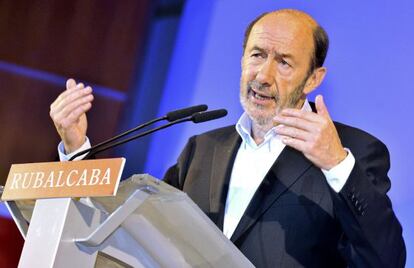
(178, 114)
(207, 116)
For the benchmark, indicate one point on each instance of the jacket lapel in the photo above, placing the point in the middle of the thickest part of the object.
(223, 158)
(287, 169)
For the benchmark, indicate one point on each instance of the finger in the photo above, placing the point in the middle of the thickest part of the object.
(63, 101)
(292, 132)
(66, 93)
(77, 86)
(74, 116)
(68, 109)
(69, 96)
(321, 108)
(295, 122)
(62, 109)
(297, 144)
(307, 115)
(76, 103)
(70, 83)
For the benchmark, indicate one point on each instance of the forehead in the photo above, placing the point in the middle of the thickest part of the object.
(283, 33)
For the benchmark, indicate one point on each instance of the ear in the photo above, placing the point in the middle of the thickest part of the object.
(314, 80)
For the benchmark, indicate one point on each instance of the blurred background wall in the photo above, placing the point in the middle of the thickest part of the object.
(145, 58)
(44, 42)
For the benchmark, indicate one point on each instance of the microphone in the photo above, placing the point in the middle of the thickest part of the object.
(207, 116)
(196, 118)
(171, 116)
(178, 114)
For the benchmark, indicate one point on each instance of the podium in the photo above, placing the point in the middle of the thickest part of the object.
(147, 224)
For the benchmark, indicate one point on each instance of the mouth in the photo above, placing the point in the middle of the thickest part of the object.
(260, 96)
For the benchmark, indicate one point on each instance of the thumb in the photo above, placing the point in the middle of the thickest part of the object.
(70, 83)
(320, 106)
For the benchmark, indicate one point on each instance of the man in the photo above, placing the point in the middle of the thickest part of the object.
(287, 185)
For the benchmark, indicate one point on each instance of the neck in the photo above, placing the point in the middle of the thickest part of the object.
(259, 131)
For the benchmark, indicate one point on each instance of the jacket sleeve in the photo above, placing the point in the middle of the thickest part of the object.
(372, 235)
(175, 175)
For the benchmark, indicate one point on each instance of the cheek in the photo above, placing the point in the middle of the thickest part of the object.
(249, 70)
(285, 83)
(282, 87)
(247, 75)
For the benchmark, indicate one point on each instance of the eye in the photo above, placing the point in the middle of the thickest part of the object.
(258, 55)
(284, 63)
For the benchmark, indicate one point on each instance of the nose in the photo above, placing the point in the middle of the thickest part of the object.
(267, 72)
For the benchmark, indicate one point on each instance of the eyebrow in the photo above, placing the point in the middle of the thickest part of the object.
(277, 54)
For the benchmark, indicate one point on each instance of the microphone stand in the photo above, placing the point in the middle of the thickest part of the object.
(171, 116)
(103, 148)
(198, 117)
(116, 137)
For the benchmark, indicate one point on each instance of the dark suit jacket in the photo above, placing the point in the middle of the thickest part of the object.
(295, 219)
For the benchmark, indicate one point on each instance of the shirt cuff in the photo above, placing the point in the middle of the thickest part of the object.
(66, 157)
(338, 175)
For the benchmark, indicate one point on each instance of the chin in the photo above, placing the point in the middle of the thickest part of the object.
(261, 118)
(260, 115)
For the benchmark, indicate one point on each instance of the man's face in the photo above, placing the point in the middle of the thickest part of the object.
(275, 66)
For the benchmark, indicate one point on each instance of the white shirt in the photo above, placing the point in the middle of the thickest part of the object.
(252, 164)
(65, 157)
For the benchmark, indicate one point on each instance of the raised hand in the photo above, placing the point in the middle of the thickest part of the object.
(68, 113)
(314, 134)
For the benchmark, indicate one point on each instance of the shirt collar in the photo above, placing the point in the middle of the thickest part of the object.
(244, 127)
